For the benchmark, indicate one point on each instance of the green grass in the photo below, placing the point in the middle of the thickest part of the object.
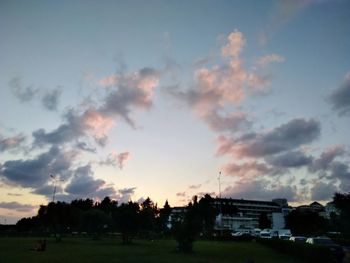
(70, 250)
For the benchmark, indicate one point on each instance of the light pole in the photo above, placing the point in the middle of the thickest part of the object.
(55, 179)
(219, 179)
(220, 204)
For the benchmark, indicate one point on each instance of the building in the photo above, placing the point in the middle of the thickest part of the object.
(233, 214)
(246, 213)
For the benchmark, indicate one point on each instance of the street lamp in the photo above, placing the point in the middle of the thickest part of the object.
(220, 203)
(55, 180)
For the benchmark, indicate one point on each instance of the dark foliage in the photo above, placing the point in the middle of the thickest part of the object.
(163, 219)
(310, 253)
(127, 220)
(306, 223)
(342, 203)
(198, 218)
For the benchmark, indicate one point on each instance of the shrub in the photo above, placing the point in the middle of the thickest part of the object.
(313, 254)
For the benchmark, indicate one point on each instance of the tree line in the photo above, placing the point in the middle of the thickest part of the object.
(130, 219)
(146, 220)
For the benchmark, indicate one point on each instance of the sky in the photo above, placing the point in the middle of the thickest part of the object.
(131, 99)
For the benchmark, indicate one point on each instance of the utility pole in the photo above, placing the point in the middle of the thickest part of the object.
(220, 203)
(219, 179)
(55, 179)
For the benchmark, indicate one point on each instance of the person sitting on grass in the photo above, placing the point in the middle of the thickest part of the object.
(40, 246)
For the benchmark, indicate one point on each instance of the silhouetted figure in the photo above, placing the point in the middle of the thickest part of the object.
(40, 246)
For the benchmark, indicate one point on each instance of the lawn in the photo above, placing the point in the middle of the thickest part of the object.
(13, 250)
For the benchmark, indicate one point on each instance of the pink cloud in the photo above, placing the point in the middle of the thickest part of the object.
(235, 121)
(11, 142)
(122, 158)
(235, 44)
(97, 123)
(258, 84)
(109, 81)
(115, 159)
(248, 169)
(267, 59)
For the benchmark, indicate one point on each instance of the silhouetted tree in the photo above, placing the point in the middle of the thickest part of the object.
(148, 214)
(163, 218)
(306, 223)
(83, 204)
(186, 230)
(127, 220)
(27, 224)
(107, 205)
(207, 215)
(96, 221)
(342, 203)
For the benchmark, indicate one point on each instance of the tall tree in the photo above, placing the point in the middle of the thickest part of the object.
(186, 230)
(207, 215)
(342, 203)
(148, 214)
(163, 218)
(306, 223)
(127, 220)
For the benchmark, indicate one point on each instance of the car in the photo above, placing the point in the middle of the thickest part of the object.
(298, 239)
(237, 234)
(265, 234)
(336, 250)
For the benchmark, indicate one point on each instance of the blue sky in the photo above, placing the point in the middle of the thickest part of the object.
(134, 99)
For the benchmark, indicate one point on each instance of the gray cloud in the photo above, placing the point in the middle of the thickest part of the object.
(134, 91)
(17, 206)
(341, 171)
(250, 169)
(124, 93)
(340, 98)
(327, 157)
(85, 147)
(260, 190)
(23, 94)
(51, 98)
(84, 185)
(286, 137)
(71, 130)
(290, 159)
(47, 190)
(114, 159)
(14, 194)
(323, 191)
(11, 142)
(35, 172)
(125, 194)
(237, 121)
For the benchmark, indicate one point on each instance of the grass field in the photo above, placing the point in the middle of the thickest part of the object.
(13, 250)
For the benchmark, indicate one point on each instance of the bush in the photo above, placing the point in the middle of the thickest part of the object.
(313, 254)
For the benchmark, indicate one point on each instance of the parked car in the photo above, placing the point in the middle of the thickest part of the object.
(242, 236)
(266, 233)
(336, 250)
(284, 234)
(298, 239)
(237, 234)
